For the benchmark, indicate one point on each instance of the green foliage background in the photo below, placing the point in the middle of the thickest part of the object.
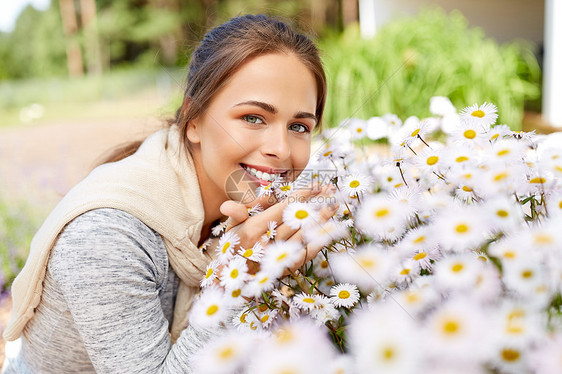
(434, 54)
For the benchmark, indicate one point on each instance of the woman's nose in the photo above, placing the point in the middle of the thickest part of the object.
(276, 143)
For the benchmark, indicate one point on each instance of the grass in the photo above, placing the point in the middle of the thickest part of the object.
(18, 224)
(118, 94)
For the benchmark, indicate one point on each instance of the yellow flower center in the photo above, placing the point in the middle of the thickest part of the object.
(450, 327)
(527, 274)
(209, 273)
(248, 252)
(354, 184)
(388, 353)
(243, 318)
(500, 177)
(432, 160)
(281, 256)
(503, 152)
(301, 214)
(538, 180)
(285, 188)
(359, 129)
(461, 159)
(344, 294)
(416, 132)
(212, 310)
(226, 353)
(457, 267)
(502, 213)
(419, 239)
(405, 271)
(543, 239)
(225, 247)
(470, 134)
(509, 254)
(510, 355)
(412, 297)
(420, 256)
(264, 318)
(466, 189)
(263, 280)
(324, 264)
(236, 293)
(478, 113)
(381, 213)
(308, 300)
(234, 274)
(495, 136)
(326, 154)
(461, 228)
(366, 263)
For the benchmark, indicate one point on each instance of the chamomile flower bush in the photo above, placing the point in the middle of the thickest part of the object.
(444, 256)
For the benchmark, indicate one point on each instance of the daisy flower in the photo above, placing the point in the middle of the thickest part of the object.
(234, 274)
(324, 313)
(285, 190)
(256, 209)
(377, 128)
(321, 266)
(378, 213)
(209, 309)
(415, 300)
(355, 184)
(357, 128)
(429, 161)
(404, 273)
(470, 134)
(504, 213)
(457, 327)
(509, 357)
(226, 246)
(271, 232)
(383, 341)
(483, 116)
(457, 272)
(344, 295)
(203, 247)
(219, 228)
(505, 151)
(459, 229)
(413, 131)
(297, 215)
(280, 255)
(225, 354)
(266, 190)
(441, 106)
(322, 234)
(267, 317)
(508, 249)
(253, 254)
(528, 278)
(307, 302)
(211, 273)
(263, 281)
(369, 267)
(499, 132)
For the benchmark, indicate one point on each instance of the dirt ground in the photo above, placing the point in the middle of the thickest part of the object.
(40, 163)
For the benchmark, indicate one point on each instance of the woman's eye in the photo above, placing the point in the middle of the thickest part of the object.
(252, 119)
(299, 127)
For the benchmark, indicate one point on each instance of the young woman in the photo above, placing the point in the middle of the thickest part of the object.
(113, 270)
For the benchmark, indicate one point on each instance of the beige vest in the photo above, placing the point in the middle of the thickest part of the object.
(158, 185)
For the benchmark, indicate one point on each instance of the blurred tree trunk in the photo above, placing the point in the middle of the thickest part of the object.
(169, 43)
(318, 14)
(350, 11)
(70, 27)
(89, 25)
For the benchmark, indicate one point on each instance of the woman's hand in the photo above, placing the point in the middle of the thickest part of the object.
(252, 229)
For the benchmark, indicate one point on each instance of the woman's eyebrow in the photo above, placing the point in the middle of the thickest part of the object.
(306, 115)
(265, 106)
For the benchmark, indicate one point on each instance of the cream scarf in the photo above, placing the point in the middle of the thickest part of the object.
(159, 186)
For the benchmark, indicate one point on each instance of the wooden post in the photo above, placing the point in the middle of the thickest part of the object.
(552, 77)
(350, 12)
(367, 22)
(70, 27)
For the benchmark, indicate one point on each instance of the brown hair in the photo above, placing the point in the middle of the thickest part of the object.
(222, 51)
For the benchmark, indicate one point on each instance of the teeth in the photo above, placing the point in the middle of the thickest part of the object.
(261, 175)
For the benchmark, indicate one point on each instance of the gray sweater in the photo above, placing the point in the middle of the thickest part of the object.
(107, 303)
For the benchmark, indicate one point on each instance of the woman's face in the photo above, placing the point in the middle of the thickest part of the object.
(259, 122)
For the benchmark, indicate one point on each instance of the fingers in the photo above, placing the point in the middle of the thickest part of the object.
(236, 212)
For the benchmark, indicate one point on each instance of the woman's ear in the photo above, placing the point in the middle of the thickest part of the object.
(193, 131)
